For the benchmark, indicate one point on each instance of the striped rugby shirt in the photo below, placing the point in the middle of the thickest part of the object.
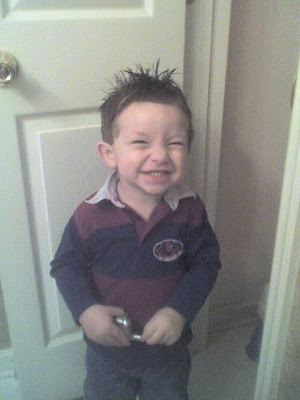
(109, 255)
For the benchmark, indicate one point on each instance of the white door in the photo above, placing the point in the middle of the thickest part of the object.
(67, 53)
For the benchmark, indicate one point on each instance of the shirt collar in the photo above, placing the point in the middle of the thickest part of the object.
(109, 192)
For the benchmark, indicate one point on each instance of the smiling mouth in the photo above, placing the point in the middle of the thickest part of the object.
(157, 173)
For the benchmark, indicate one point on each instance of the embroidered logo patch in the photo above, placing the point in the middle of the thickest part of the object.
(168, 250)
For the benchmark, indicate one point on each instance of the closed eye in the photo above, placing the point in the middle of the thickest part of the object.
(139, 142)
(178, 144)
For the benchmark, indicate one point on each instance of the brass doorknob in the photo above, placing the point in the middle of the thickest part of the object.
(8, 68)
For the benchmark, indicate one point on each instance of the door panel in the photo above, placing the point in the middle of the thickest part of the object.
(61, 168)
(67, 53)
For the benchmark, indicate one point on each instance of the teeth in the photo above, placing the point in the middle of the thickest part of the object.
(156, 174)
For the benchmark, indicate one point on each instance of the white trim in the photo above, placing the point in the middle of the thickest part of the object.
(196, 82)
(285, 266)
(9, 385)
(218, 66)
(7, 369)
(205, 72)
(14, 14)
(10, 389)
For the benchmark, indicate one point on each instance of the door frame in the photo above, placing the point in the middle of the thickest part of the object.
(206, 49)
(285, 266)
(205, 74)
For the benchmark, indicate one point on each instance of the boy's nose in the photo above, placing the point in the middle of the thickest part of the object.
(159, 153)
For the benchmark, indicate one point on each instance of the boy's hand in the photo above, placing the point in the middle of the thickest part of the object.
(99, 326)
(165, 327)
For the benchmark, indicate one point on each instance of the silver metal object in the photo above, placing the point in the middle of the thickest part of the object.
(125, 324)
(8, 68)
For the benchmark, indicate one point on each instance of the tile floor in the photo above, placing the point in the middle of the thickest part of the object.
(223, 371)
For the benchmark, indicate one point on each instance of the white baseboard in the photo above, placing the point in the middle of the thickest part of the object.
(9, 385)
(10, 389)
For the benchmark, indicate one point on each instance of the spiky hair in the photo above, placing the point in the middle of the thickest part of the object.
(140, 85)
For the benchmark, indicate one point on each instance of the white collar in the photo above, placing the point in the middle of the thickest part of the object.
(109, 192)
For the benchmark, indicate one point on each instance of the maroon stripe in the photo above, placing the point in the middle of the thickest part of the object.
(189, 211)
(140, 298)
(90, 217)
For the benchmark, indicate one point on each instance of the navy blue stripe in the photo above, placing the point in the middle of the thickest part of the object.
(117, 252)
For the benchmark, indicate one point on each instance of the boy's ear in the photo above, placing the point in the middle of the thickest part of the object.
(107, 154)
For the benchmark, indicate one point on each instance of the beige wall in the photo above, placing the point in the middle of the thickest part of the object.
(262, 61)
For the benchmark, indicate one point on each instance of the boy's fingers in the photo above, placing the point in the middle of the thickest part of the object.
(156, 339)
(119, 338)
(169, 340)
(153, 336)
(148, 332)
(116, 311)
(115, 337)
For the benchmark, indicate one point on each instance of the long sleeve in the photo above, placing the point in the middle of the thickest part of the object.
(70, 268)
(203, 266)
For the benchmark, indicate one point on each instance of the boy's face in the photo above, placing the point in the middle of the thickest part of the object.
(149, 151)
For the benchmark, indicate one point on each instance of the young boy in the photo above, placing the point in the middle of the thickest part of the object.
(140, 247)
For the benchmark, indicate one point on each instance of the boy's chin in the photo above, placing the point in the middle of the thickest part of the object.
(157, 193)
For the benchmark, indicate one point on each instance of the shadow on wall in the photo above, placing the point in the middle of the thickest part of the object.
(240, 229)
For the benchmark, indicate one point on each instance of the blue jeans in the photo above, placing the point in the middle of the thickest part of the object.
(107, 382)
